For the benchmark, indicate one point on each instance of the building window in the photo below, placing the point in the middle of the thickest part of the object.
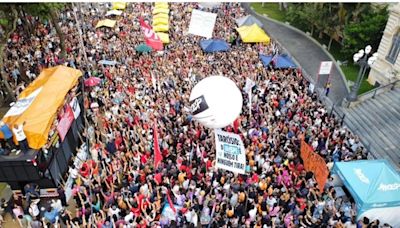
(395, 49)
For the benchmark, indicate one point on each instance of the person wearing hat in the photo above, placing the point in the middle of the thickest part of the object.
(8, 136)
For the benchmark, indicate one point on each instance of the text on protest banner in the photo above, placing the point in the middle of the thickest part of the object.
(313, 162)
(325, 67)
(150, 36)
(23, 104)
(230, 152)
(202, 23)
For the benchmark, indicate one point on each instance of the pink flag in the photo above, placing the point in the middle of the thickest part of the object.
(150, 36)
(157, 152)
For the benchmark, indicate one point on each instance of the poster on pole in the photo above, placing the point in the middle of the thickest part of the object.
(325, 67)
(75, 107)
(230, 152)
(249, 85)
(202, 23)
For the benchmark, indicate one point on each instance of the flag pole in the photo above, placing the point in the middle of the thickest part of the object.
(250, 102)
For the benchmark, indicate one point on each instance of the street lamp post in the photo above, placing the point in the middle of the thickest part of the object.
(361, 58)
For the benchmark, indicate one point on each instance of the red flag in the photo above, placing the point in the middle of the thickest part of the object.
(157, 152)
(170, 202)
(150, 36)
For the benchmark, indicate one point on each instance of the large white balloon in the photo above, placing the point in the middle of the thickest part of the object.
(216, 101)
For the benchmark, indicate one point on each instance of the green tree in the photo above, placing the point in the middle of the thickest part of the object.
(368, 31)
(301, 14)
(48, 11)
(336, 23)
(8, 24)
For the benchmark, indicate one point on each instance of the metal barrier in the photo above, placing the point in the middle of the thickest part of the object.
(337, 114)
(392, 84)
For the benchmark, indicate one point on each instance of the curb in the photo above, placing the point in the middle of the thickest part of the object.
(308, 37)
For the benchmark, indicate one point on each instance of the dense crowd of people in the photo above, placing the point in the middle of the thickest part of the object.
(118, 186)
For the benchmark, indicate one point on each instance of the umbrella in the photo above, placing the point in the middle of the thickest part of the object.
(92, 81)
(107, 23)
(119, 5)
(214, 45)
(143, 48)
(113, 12)
(108, 62)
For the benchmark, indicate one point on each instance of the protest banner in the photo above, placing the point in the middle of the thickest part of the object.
(249, 85)
(230, 152)
(313, 162)
(65, 122)
(76, 109)
(23, 104)
(150, 36)
(202, 23)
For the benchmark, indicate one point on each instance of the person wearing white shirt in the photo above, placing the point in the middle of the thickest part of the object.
(18, 131)
(34, 209)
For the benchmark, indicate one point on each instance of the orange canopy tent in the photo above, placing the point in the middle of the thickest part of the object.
(39, 102)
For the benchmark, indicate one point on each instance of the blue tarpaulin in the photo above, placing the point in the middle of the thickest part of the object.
(214, 45)
(375, 186)
(281, 61)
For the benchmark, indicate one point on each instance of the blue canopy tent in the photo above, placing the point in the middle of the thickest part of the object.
(280, 61)
(214, 45)
(284, 61)
(266, 59)
(375, 187)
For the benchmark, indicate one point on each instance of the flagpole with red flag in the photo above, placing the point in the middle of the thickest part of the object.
(157, 152)
(171, 204)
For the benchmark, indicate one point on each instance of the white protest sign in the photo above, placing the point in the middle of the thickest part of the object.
(202, 23)
(75, 107)
(325, 67)
(249, 84)
(23, 104)
(230, 152)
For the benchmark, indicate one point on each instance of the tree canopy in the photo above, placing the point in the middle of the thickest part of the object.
(353, 25)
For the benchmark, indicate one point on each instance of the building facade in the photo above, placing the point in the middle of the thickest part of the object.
(386, 68)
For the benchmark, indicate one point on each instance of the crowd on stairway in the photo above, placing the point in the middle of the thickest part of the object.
(118, 186)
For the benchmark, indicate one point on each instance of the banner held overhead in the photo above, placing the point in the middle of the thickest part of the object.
(202, 23)
(230, 152)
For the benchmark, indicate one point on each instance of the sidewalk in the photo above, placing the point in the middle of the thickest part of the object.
(306, 52)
